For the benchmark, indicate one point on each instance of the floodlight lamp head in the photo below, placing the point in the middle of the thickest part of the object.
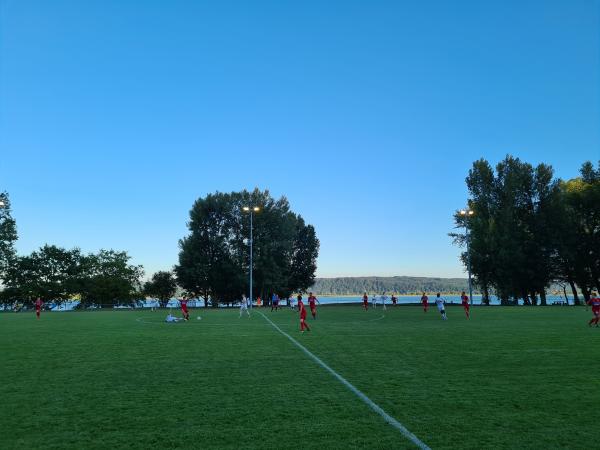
(256, 209)
(246, 208)
(1, 203)
(463, 212)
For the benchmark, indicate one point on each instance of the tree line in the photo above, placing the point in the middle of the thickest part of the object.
(529, 229)
(213, 259)
(57, 274)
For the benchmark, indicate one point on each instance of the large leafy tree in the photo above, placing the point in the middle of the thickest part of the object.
(163, 286)
(107, 278)
(214, 257)
(207, 259)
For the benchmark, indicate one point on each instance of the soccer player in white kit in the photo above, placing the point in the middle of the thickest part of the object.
(383, 299)
(171, 319)
(244, 306)
(439, 301)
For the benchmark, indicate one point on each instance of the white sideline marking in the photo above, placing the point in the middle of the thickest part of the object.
(389, 419)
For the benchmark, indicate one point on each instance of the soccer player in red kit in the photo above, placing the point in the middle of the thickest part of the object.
(302, 309)
(38, 307)
(465, 302)
(366, 301)
(312, 302)
(424, 300)
(184, 310)
(595, 304)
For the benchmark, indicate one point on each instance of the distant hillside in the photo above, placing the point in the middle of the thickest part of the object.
(399, 285)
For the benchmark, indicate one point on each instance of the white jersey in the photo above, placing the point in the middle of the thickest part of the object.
(244, 303)
(171, 318)
(439, 301)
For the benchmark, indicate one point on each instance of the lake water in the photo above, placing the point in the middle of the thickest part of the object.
(416, 299)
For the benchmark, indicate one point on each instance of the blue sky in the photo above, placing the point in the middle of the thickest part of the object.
(116, 115)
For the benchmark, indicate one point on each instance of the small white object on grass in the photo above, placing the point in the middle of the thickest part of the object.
(199, 318)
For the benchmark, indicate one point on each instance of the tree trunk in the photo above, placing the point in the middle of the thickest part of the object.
(586, 294)
(543, 297)
(576, 300)
(486, 296)
(564, 286)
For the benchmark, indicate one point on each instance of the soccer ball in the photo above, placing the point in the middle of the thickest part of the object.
(199, 318)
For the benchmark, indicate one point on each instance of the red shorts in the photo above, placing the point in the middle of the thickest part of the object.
(185, 310)
(466, 305)
(313, 308)
(596, 311)
(37, 310)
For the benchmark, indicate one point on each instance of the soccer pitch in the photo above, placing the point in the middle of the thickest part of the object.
(508, 378)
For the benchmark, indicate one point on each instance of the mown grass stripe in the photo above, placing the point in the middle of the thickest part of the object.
(370, 403)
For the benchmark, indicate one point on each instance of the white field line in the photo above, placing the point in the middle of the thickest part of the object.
(203, 323)
(389, 419)
(378, 318)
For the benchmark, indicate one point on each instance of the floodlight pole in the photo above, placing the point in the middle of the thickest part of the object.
(251, 210)
(468, 213)
(251, 245)
(469, 266)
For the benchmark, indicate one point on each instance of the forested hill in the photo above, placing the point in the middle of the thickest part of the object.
(399, 285)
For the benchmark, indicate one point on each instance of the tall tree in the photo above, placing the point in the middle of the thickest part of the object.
(207, 260)
(304, 257)
(214, 257)
(579, 244)
(482, 236)
(162, 286)
(107, 278)
(513, 234)
(8, 235)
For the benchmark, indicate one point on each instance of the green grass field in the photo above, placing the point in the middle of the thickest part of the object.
(508, 378)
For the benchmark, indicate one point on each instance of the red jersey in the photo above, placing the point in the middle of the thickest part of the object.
(38, 304)
(365, 299)
(302, 310)
(595, 303)
(183, 305)
(424, 299)
(465, 300)
(312, 301)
